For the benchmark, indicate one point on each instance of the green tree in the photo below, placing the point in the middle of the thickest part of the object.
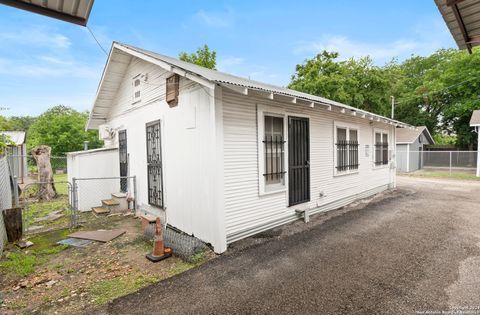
(5, 124)
(22, 123)
(203, 57)
(63, 129)
(356, 82)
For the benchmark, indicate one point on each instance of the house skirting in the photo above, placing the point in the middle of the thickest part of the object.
(293, 217)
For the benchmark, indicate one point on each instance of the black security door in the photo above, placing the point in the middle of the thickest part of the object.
(298, 160)
(154, 164)
(123, 157)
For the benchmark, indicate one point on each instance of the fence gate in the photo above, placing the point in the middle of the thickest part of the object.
(46, 215)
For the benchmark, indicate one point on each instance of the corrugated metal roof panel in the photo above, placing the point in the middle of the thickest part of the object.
(469, 11)
(216, 77)
(73, 11)
(18, 137)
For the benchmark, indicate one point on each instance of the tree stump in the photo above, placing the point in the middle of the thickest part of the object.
(47, 190)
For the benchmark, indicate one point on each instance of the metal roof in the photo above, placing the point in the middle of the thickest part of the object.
(17, 137)
(407, 135)
(73, 11)
(119, 58)
(475, 120)
(463, 19)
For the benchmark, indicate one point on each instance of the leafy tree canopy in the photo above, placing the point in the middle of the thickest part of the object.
(63, 129)
(203, 57)
(439, 91)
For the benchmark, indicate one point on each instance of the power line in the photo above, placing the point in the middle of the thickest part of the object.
(98, 43)
(437, 91)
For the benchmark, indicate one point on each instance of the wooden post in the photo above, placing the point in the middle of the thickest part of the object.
(13, 223)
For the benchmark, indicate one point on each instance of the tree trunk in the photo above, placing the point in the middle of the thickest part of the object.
(46, 191)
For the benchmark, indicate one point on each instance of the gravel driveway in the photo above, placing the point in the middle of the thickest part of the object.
(413, 251)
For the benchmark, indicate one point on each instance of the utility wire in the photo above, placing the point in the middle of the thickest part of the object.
(98, 43)
(437, 91)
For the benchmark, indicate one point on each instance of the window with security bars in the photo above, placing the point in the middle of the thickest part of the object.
(274, 144)
(347, 149)
(381, 148)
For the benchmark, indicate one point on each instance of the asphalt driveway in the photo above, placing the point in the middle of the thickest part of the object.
(413, 251)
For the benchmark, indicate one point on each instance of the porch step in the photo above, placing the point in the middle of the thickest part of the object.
(100, 210)
(110, 202)
(121, 198)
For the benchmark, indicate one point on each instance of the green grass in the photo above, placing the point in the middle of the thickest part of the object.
(194, 261)
(453, 175)
(36, 210)
(23, 262)
(19, 263)
(106, 290)
(62, 185)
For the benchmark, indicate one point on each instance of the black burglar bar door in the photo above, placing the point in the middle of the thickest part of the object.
(154, 164)
(298, 160)
(123, 157)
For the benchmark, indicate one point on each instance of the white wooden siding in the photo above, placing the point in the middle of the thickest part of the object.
(188, 134)
(246, 211)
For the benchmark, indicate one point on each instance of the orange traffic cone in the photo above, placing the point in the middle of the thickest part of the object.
(160, 252)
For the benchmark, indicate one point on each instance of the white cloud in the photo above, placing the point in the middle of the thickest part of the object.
(31, 69)
(217, 19)
(36, 36)
(425, 38)
(223, 64)
(241, 67)
(349, 48)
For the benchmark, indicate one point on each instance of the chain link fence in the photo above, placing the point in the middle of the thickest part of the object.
(5, 198)
(40, 215)
(24, 167)
(437, 161)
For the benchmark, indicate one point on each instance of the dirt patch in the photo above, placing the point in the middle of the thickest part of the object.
(50, 278)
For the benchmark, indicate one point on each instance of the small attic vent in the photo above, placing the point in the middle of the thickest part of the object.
(137, 87)
(172, 90)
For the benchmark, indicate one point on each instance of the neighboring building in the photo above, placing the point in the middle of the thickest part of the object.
(475, 123)
(17, 154)
(221, 157)
(410, 146)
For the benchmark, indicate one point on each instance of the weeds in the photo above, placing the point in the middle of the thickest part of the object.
(19, 263)
(107, 290)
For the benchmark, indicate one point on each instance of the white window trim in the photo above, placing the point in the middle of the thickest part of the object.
(135, 89)
(263, 111)
(383, 131)
(348, 126)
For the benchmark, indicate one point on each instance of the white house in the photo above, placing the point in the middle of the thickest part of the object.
(222, 157)
(475, 123)
(17, 154)
(410, 147)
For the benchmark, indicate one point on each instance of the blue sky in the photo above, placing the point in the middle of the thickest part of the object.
(45, 62)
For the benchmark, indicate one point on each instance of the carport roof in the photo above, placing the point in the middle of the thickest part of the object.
(475, 120)
(463, 20)
(407, 135)
(73, 11)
